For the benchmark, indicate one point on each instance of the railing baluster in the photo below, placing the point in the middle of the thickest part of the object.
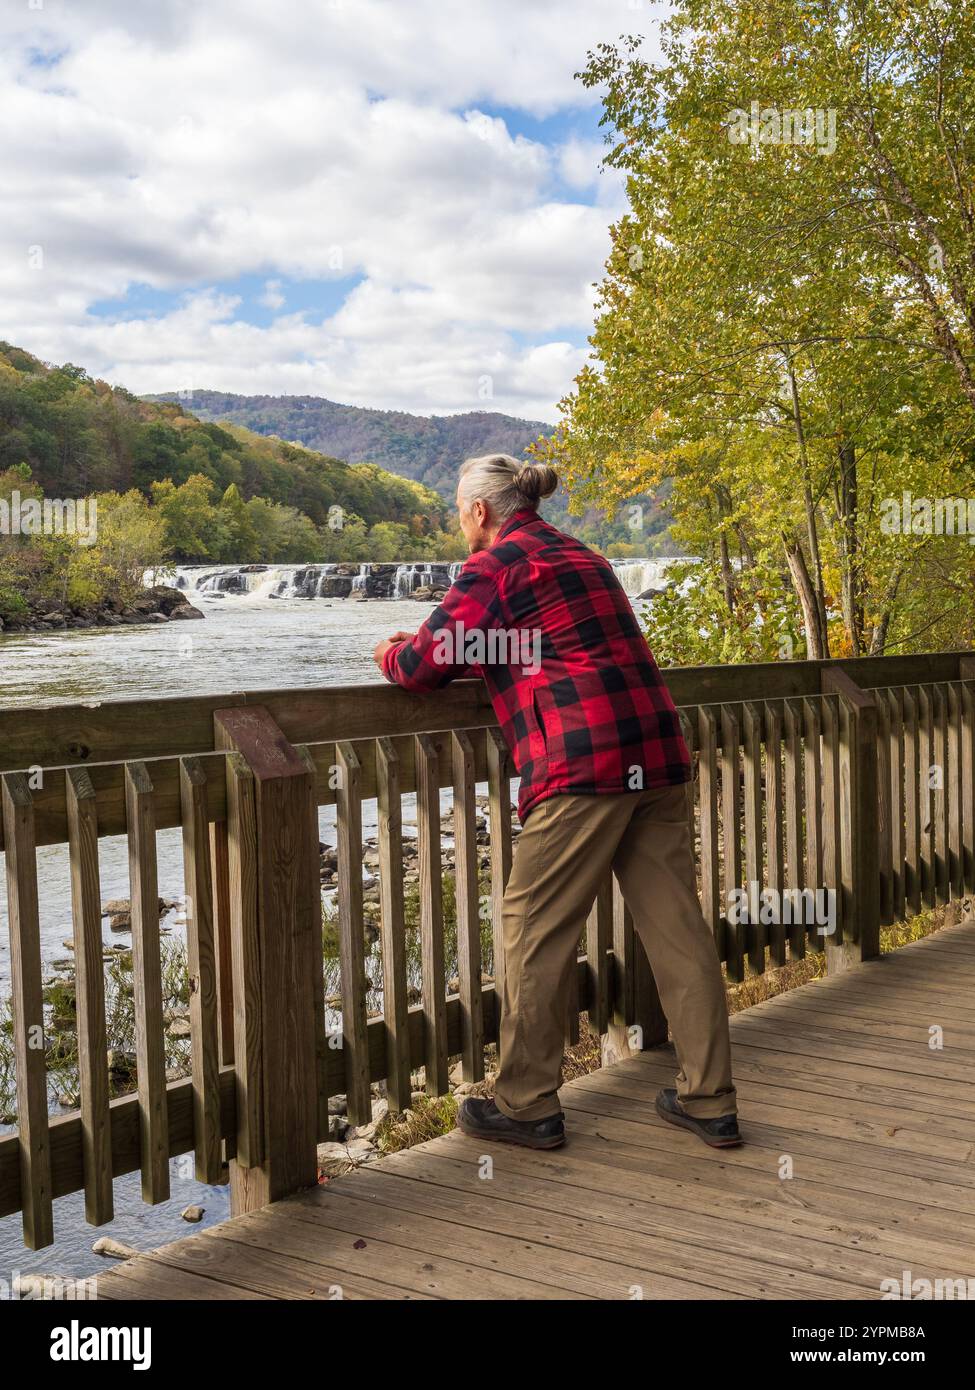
(895, 708)
(731, 836)
(814, 801)
(431, 914)
(202, 970)
(317, 955)
(687, 729)
(355, 1037)
(220, 898)
(956, 872)
(968, 784)
(773, 823)
(710, 849)
(244, 947)
(794, 801)
(468, 915)
(499, 816)
(836, 869)
(86, 913)
(939, 710)
(929, 886)
(28, 1011)
(395, 1006)
(912, 797)
(884, 810)
(150, 1046)
(599, 935)
(754, 875)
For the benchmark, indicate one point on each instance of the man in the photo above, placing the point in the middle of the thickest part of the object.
(596, 740)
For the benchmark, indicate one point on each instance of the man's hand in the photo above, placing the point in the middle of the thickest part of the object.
(387, 642)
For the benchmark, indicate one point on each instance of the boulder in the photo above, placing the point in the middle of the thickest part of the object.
(114, 1249)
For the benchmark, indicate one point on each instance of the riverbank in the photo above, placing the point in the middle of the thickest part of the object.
(157, 604)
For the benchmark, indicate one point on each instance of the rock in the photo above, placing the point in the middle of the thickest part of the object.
(121, 907)
(180, 1028)
(114, 1249)
(192, 1214)
(380, 1109)
(337, 1105)
(181, 614)
(335, 1159)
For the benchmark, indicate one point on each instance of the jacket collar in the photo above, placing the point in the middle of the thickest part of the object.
(520, 518)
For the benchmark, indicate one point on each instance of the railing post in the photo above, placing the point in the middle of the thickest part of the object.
(276, 927)
(860, 832)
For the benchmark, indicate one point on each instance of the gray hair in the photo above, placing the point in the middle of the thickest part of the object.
(506, 484)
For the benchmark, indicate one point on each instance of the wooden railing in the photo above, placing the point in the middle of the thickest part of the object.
(856, 777)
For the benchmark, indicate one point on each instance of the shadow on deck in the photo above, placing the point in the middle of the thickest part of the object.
(837, 1080)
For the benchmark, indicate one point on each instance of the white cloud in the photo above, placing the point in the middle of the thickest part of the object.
(181, 146)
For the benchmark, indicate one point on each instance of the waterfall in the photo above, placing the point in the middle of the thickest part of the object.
(336, 580)
(638, 575)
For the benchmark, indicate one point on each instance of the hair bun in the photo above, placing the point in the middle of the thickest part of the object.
(535, 480)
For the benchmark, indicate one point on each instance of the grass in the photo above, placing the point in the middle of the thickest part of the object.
(61, 1032)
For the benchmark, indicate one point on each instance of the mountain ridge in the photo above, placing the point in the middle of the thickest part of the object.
(425, 448)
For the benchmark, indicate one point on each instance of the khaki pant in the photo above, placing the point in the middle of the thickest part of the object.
(567, 848)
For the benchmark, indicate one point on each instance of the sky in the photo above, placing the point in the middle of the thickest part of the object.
(391, 203)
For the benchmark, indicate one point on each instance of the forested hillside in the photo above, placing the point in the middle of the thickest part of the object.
(79, 436)
(166, 486)
(426, 448)
(430, 449)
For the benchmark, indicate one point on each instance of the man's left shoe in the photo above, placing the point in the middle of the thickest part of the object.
(481, 1119)
(720, 1133)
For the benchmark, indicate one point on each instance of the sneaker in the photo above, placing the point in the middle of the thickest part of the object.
(482, 1119)
(720, 1133)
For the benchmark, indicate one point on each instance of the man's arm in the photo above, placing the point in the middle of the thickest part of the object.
(436, 654)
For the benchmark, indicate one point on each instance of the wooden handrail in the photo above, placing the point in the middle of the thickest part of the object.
(810, 777)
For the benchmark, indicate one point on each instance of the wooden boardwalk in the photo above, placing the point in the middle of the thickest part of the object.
(836, 1080)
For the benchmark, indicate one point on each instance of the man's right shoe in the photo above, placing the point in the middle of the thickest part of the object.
(720, 1133)
(482, 1119)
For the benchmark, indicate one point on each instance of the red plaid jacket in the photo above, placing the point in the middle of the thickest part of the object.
(575, 687)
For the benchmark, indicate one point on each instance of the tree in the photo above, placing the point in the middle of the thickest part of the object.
(760, 340)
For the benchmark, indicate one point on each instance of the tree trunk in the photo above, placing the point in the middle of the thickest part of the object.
(817, 645)
(846, 507)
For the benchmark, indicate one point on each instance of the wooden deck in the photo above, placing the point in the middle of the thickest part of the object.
(837, 1078)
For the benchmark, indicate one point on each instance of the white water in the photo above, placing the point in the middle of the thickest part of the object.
(259, 582)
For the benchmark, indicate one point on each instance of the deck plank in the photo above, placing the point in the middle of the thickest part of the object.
(837, 1075)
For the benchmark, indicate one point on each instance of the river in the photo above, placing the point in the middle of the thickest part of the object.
(258, 634)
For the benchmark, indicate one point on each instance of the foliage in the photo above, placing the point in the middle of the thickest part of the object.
(785, 328)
